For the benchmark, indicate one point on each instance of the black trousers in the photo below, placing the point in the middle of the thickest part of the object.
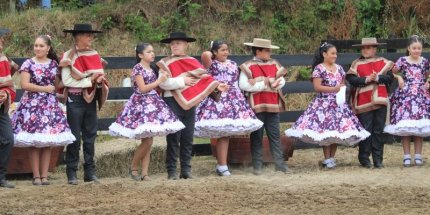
(271, 125)
(6, 141)
(182, 140)
(82, 118)
(374, 123)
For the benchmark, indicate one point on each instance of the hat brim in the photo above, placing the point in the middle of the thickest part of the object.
(369, 44)
(79, 31)
(186, 39)
(4, 31)
(266, 47)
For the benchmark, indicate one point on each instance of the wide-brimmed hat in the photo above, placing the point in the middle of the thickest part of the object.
(82, 28)
(177, 36)
(261, 43)
(371, 41)
(4, 31)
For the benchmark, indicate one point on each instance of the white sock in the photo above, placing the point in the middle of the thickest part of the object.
(333, 160)
(407, 162)
(418, 156)
(329, 163)
(223, 168)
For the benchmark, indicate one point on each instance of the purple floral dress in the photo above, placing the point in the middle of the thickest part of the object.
(410, 105)
(145, 114)
(39, 120)
(232, 114)
(325, 122)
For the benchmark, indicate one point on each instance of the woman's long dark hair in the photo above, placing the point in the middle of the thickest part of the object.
(139, 50)
(51, 53)
(414, 39)
(215, 46)
(319, 57)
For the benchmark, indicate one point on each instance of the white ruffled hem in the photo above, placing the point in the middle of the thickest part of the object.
(40, 140)
(145, 130)
(215, 128)
(420, 128)
(347, 138)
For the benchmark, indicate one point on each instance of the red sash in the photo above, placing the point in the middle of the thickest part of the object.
(186, 66)
(83, 63)
(268, 100)
(6, 68)
(374, 95)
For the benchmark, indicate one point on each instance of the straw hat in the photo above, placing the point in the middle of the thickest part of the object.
(261, 43)
(371, 41)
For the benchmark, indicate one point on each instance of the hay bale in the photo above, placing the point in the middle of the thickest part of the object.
(117, 163)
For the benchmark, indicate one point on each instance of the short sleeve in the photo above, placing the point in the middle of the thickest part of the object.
(26, 66)
(137, 70)
(213, 69)
(400, 64)
(317, 73)
(55, 66)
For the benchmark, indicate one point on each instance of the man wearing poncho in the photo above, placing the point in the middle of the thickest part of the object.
(7, 96)
(83, 77)
(369, 77)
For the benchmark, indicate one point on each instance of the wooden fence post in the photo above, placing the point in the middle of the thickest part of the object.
(12, 6)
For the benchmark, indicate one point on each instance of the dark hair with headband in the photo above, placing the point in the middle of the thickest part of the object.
(319, 57)
(51, 53)
(215, 46)
(414, 39)
(139, 50)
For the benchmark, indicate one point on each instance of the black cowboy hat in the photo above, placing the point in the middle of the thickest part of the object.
(82, 28)
(4, 31)
(177, 36)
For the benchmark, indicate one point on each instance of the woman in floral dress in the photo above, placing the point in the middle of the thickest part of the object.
(325, 122)
(410, 117)
(145, 115)
(39, 121)
(231, 115)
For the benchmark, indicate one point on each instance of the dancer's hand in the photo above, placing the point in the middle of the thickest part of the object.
(190, 81)
(223, 87)
(50, 89)
(163, 77)
(371, 78)
(276, 83)
(251, 82)
(401, 82)
(3, 96)
(337, 88)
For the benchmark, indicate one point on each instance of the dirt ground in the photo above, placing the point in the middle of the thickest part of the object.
(348, 189)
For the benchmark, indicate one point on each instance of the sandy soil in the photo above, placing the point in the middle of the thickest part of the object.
(348, 189)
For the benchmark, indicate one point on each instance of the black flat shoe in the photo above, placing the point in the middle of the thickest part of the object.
(72, 178)
(366, 165)
(134, 177)
(37, 181)
(172, 176)
(92, 178)
(257, 171)
(45, 181)
(283, 169)
(378, 165)
(6, 184)
(186, 175)
(404, 162)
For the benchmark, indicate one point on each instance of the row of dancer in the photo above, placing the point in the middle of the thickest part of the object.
(205, 99)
